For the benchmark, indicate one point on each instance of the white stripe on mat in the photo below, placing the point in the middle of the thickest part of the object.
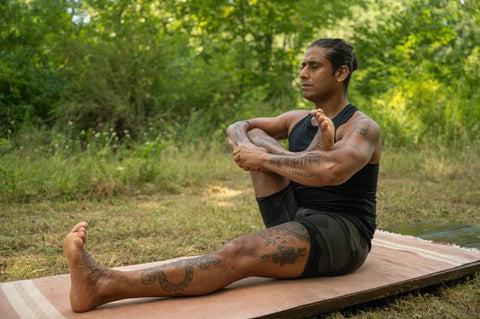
(28, 301)
(452, 260)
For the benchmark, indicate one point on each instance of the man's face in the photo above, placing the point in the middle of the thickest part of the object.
(318, 83)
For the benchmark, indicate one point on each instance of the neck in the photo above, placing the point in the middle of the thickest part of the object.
(334, 106)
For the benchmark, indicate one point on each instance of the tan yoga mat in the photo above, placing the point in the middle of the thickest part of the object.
(396, 264)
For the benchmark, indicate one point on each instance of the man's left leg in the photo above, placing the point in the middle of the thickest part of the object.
(277, 252)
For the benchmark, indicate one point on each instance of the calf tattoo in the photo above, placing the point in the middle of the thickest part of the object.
(149, 276)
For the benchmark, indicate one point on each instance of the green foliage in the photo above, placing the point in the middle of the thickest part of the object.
(30, 81)
(127, 63)
(417, 71)
(189, 68)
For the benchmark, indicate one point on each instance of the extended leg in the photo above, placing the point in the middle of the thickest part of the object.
(278, 252)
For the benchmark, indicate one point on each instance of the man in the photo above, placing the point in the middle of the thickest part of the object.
(317, 199)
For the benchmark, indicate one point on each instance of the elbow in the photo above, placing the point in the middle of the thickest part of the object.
(235, 126)
(236, 133)
(230, 128)
(336, 176)
(331, 175)
(329, 178)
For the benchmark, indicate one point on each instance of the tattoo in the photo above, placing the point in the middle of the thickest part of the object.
(298, 231)
(295, 162)
(267, 144)
(286, 255)
(149, 276)
(239, 137)
(275, 162)
(283, 239)
(303, 174)
(360, 128)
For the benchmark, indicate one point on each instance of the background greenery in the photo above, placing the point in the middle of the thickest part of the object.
(186, 68)
(93, 82)
(114, 111)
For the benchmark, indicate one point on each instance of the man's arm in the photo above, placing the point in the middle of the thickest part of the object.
(276, 128)
(319, 168)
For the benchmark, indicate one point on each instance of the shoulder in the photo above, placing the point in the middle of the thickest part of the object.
(295, 116)
(359, 122)
(363, 132)
(278, 126)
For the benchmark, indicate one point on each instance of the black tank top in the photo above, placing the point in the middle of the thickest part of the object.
(354, 199)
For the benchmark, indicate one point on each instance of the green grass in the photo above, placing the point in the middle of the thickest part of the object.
(156, 202)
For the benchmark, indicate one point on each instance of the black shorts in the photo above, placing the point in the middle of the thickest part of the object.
(337, 246)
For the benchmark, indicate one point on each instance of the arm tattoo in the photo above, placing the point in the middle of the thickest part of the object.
(295, 162)
(303, 174)
(363, 130)
(360, 128)
(282, 239)
(149, 276)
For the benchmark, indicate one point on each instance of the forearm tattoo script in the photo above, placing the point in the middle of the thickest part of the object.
(297, 163)
(149, 276)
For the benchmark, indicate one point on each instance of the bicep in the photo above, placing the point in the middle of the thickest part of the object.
(356, 148)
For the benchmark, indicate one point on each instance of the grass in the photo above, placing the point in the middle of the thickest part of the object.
(151, 203)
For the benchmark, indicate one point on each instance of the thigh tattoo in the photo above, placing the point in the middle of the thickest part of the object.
(283, 238)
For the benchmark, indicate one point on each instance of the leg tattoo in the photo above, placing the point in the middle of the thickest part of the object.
(149, 276)
(286, 255)
(281, 239)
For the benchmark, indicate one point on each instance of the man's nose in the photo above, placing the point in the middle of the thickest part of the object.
(303, 74)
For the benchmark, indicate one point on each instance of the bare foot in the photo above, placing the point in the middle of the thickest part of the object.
(84, 271)
(324, 139)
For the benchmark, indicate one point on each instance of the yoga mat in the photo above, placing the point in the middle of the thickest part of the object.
(396, 264)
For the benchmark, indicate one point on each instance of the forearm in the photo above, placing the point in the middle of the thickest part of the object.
(307, 168)
(243, 132)
(273, 146)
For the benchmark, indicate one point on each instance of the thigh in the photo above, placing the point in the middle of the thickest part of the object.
(278, 252)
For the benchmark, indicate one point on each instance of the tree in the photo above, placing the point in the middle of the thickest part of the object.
(414, 69)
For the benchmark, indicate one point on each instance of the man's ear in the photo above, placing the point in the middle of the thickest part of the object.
(342, 73)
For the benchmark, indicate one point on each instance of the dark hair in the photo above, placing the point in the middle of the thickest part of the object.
(339, 53)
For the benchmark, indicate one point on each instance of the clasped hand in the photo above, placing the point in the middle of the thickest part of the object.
(248, 156)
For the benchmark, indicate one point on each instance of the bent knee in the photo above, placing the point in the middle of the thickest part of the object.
(239, 255)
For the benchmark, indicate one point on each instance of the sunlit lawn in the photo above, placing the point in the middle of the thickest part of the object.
(189, 218)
